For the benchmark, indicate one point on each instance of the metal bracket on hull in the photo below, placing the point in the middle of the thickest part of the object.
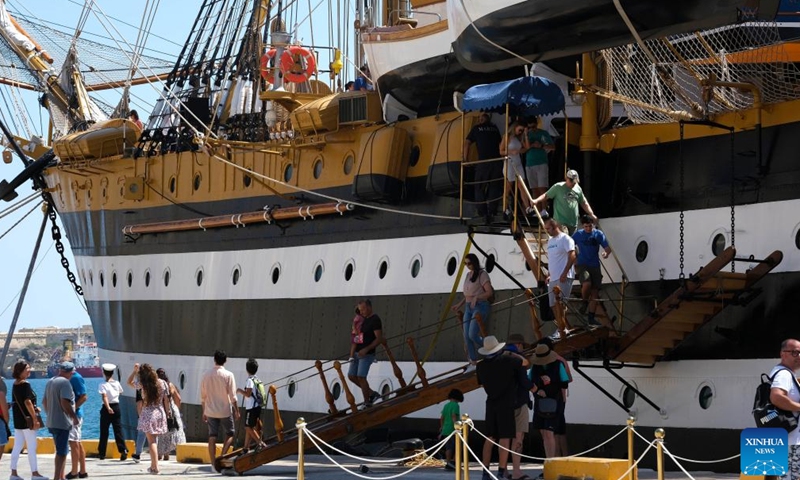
(607, 366)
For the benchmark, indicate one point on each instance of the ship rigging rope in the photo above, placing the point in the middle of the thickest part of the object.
(21, 203)
(21, 219)
(34, 271)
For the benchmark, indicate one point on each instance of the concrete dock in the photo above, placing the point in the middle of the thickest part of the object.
(317, 468)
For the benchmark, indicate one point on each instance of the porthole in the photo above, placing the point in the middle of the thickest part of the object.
(337, 390)
(452, 264)
(198, 276)
(292, 388)
(102, 279)
(172, 182)
(130, 278)
(287, 172)
(797, 239)
(348, 270)
(705, 397)
(236, 275)
(114, 279)
(247, 180)
(348, 164)
(413, 159)
(416, 266)
(197, 181)
(318, 168)
(318, 269)
(182, 380)
(628, 397)
(385, 389)
(641, 251)
(276, 273)
(491, 261)
(383, 268)
(147, 278)
(718, 244)
(166, 277)
(91, 278)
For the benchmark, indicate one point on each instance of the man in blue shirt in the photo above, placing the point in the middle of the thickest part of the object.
(588, 241)
(77, 452)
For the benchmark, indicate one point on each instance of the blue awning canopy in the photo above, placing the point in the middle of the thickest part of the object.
(526, 96)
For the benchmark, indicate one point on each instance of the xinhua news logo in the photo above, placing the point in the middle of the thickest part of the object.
(765, 451)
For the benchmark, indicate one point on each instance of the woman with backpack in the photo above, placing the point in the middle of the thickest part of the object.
(476, 302)
(175, 435)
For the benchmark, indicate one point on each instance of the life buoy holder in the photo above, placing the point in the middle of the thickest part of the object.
(298, 64)
(267, 72)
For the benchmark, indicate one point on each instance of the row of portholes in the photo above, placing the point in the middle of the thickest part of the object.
(705, 396)
(319, 268)
(717, 246)
(336, 389)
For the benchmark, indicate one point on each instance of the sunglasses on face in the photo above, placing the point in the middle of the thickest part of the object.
(795, 353)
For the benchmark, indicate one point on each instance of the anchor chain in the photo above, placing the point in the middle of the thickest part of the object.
(733, 202)
(56, 232)
(682, 219)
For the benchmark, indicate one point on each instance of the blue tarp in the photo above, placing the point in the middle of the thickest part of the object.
(526, 96)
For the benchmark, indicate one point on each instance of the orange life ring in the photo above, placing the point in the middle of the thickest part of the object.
(266, 71)
(298, 64)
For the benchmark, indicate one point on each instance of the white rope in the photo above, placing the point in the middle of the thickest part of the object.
(499, 47)
(706, 461)
(366, 477)
(328, 197)
(544, 458)
(478, 459)
(371, 460)
(21, 219)
(676, 462)
(649, 446)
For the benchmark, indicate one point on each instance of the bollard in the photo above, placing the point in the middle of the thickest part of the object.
(301, 424)
(660, 434)
(459, 430)
(631, 424)
(465, 452)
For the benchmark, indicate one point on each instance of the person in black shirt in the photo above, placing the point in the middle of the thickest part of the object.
(25, 408)
(488, 176)
(371, 337)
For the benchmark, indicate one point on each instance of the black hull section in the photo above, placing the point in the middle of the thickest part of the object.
(682, 442)
(540, 30)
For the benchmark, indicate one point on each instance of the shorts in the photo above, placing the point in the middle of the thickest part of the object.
(61, 440)
(251, 417)
(359, 366)
(589, 274)
(450, 445)
(226, 423)
(500, 422)
(566, 289)
(537, 176)
(522, 419)
(513, 168)
(75, 431)
(556, 423)
(3, 432)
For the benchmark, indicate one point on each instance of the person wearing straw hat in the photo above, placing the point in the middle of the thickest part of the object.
(499, 375)
(550, 380)
(110, 415)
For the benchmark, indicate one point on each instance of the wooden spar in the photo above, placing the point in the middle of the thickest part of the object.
(239, 219)
(134, 81)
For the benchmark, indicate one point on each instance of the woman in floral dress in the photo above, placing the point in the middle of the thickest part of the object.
(170, 440)
(155, 409)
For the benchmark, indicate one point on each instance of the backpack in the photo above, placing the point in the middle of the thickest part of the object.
(259, 392)
(768, 415)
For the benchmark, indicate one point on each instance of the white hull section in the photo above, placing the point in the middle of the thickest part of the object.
(760, 229)
(673, 386)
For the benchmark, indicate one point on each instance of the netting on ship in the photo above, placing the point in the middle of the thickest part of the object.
(658, 83)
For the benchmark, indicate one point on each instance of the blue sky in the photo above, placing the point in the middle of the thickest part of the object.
(50, 299)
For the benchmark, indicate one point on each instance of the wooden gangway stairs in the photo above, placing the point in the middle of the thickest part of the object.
(701, 297)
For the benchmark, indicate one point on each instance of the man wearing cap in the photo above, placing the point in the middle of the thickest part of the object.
(499, 375)
(109, 391)
(567, 195)
(488, 176)
(550, 380)
(77, 452)
(59, 406)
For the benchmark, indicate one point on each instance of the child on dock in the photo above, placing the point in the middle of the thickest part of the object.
(450, 415)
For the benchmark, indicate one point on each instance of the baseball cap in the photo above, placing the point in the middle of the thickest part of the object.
(67, 366)
(573, 175)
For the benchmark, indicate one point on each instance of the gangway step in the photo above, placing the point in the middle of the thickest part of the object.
(696, 302)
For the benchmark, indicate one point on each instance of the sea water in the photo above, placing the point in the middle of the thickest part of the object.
(91, 408)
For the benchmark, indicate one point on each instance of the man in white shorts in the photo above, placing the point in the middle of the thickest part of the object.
(561, 257)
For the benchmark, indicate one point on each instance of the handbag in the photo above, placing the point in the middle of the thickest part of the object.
(172, 419)
(546, 407)
(28, 418)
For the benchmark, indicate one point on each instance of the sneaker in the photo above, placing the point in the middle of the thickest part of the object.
(123, 457)
(80, 475)
(556, 336)
(470, 368)
(136, 458)
(373, 397)
(450, 466)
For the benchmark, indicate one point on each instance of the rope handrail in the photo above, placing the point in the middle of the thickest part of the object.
(434, 447)
(677, 463)
(359, 475)
(639, 459)
(472, 427)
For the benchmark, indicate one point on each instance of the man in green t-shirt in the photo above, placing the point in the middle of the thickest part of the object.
(539, 143)
(567, 195)
(450, 415)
